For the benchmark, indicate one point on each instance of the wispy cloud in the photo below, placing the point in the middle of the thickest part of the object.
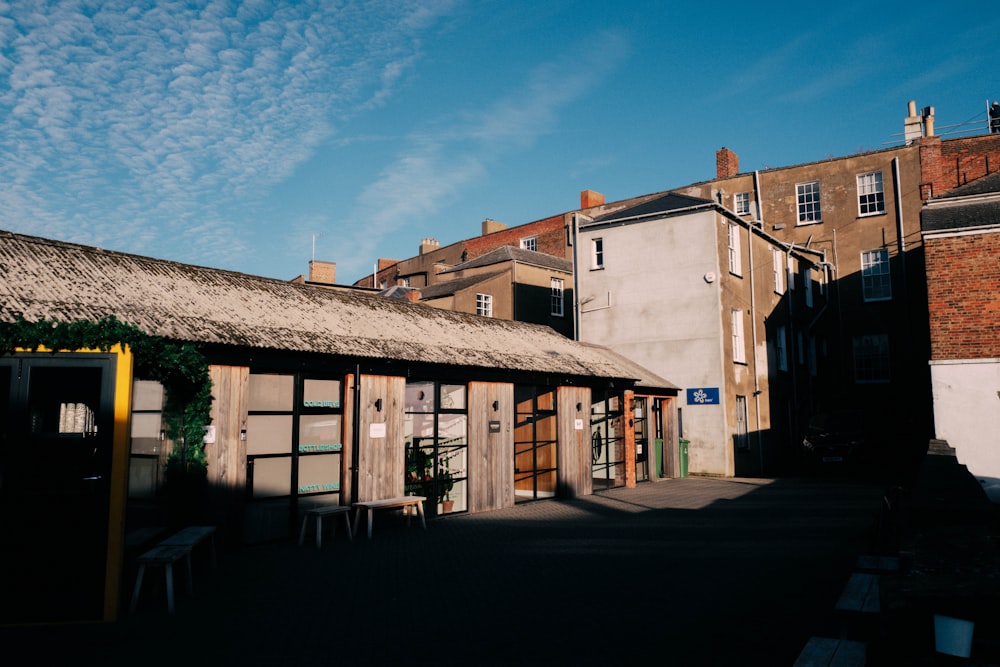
(135, 124)
(436, 161)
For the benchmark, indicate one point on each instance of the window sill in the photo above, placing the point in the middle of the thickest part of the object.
(808, 222)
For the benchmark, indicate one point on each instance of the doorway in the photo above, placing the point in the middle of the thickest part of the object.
(56, 441)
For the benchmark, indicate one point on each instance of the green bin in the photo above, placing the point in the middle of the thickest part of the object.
(683, 450)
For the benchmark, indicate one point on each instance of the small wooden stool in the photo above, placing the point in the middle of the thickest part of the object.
(165, 556)
(318, 513)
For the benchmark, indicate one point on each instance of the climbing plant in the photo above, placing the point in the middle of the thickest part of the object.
(179, 367)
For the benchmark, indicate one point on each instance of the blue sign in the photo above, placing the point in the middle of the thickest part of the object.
(703, 396)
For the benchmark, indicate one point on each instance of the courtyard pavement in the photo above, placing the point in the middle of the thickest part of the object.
(692, 571)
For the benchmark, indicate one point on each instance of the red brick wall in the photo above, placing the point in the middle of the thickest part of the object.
(947, 164)
(550, 235)
(963, 285)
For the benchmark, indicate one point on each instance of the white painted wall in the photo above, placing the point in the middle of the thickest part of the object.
(967, 414)
(652, 304)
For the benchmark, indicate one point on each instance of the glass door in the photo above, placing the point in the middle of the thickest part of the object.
(56, 438)
(640, 420)
(535, 443)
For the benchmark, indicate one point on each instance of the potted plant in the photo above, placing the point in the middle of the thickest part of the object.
(445, 483)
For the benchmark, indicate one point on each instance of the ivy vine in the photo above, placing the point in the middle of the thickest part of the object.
(179, 367)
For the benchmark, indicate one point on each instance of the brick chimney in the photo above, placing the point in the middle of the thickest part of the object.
(429, 245)
(589, 198)
(413, 295)
(323, 272)
(726, 163)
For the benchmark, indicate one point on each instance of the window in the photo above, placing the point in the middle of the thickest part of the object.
(484, 305)
(739, 347)
(871, 197)
(778, 266)
(875, 281)
(871, 359)
(791, 266)
(557, 296)
(742, 432)
(741, 203)
(735, 257)
(597, 254)
(781, 345)
(800, 348)
(529, 243)
(807, 195)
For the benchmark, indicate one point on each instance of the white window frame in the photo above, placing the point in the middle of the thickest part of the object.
(778, 261)
(739, 342)
(871, 359)
(876, 280)
(871, 194)
(484, 304)
(808, 203)
(556, 287)
(597, 253)
(741, 203)
(735, 253)
(781, 346)
(529, 243)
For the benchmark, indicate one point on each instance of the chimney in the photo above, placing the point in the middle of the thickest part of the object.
(490, 226)
(928, 115)
(726, 163)
(912, 124)
(589, 198)
(429, 245)
(413, 295)
(323, 272)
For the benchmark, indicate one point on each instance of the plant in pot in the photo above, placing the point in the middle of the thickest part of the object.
(445, 483)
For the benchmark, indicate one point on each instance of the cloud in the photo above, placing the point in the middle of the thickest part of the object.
(455, 150)
(143, 126)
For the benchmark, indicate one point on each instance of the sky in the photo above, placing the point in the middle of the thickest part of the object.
(256, 136)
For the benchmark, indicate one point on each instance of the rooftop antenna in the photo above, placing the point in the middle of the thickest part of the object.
(314, 246)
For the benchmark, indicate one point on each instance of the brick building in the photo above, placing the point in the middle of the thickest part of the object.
(961, 234)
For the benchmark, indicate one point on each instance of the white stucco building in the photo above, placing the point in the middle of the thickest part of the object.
(682, 284)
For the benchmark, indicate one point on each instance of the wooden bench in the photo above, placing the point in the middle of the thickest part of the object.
(877, 564)
(163, 556)
(860, 594)
(827, 652)
(191, 537)
(389, 503)
(320, 511)
(169, 551)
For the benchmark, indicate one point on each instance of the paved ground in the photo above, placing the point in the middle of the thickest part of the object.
(688, 571)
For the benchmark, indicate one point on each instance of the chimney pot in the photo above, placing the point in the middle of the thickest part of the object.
(589, 198)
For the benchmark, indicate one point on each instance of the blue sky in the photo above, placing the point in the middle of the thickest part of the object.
(255, 136)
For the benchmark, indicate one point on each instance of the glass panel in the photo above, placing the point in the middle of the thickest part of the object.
(271, 393)
(452, 429)
(147, 395)
(269, 434)
(146, 425)
(320, 433)
(318, 474)
(547, 400)
(272, 477)
(142, 476)
(453, 397)
(420, 397)
(321, 394)
(546, 484)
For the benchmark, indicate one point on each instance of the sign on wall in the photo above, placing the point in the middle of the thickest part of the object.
(703, 396)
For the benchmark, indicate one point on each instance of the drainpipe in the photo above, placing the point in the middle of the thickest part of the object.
(576, 282)
(753, 338)
(901, 240)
